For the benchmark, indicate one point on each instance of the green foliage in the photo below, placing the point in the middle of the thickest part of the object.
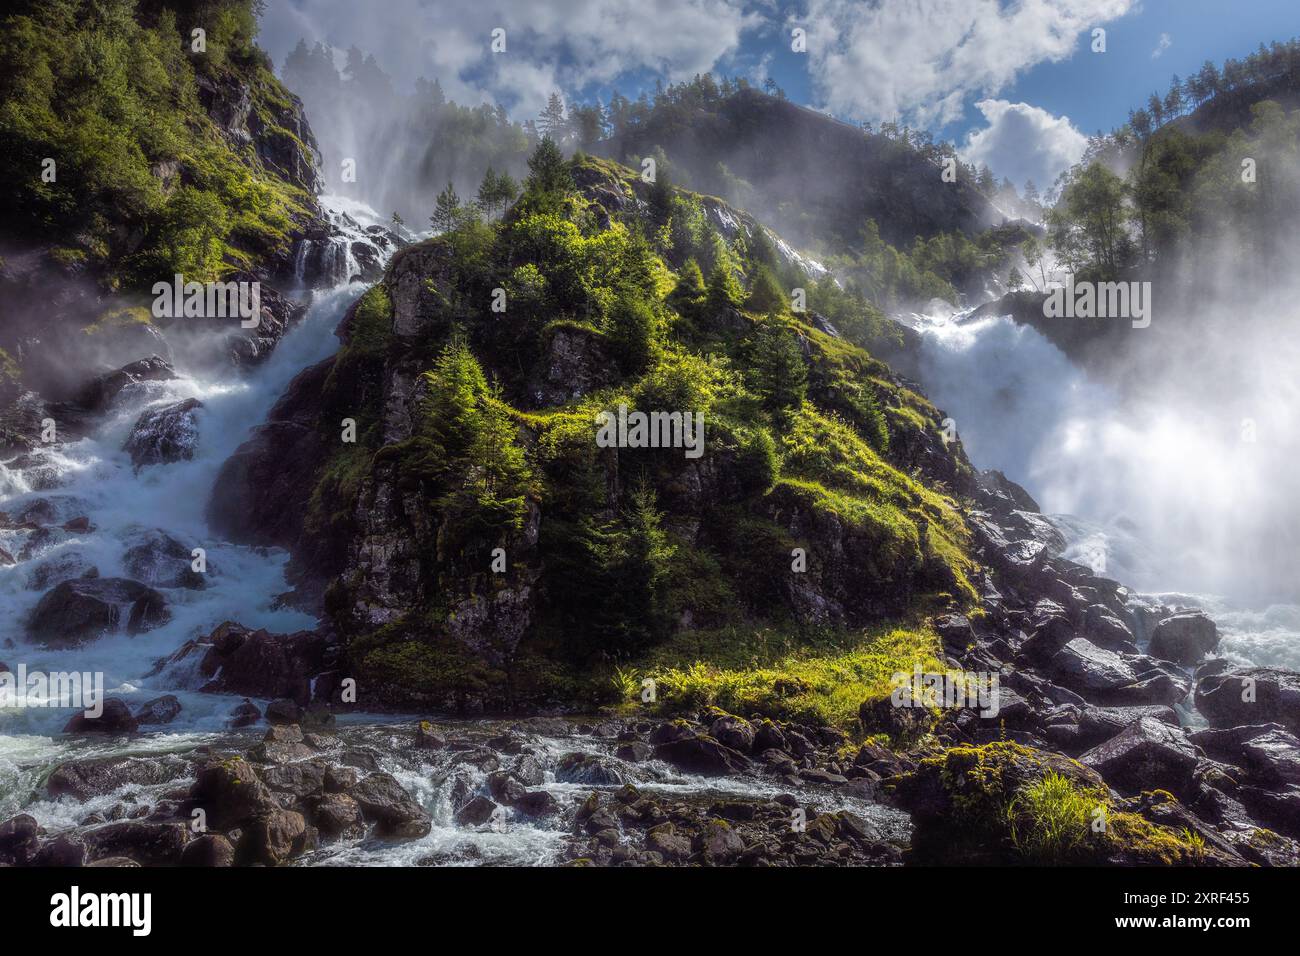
(613, 576)
(821, 677)
(1088, 227)
(549, 177)
(446, 210)
(776, 371)
(112, 99)
(1050, 820)
(724, 292)
(765, 294)
(632, 333)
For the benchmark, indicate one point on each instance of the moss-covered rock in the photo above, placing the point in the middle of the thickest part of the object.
(1003, 803)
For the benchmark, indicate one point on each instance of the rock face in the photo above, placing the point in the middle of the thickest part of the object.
(164, 435)
(83, 609)
(1184, 638)
(258, 497)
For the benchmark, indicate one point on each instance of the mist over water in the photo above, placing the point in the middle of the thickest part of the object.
(1180, 468)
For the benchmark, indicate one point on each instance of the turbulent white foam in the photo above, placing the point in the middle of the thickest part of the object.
(99, 482)
(1171, 497)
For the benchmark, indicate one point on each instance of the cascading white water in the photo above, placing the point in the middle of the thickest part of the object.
(1162, 493)
(95, 479)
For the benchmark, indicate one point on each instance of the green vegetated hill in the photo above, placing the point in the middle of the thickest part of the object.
(165, 159)
(478, 432)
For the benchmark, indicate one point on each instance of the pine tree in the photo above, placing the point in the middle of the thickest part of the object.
(766, 295)
(776, 368)
(690, 283)
(552, 122)
(489, 192)
(548, 173)
(446, 211)
(724, 291)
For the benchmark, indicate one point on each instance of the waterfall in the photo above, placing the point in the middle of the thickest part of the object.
(1168, 495)
(94, 478)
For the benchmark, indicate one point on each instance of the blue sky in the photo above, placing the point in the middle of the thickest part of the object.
(1013, 82)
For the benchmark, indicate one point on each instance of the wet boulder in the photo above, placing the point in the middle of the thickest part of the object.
(1269, 753)
(82, 609)
(1253, 695)
(283, 712)
(165, 435)
(537, 803)
(261, 664)
(702, 754)
(274, 838)
(338, 816)
(231, 793)
(735, 732)
(115, 719)
(476, 812)
(211, 849)
(19, 840)
(65, 850)
(60, 567)
(1099, 724)
(282, 743)
(245, 714)
(504, 787)
(586, 768)
(99, 776)
(160, 710)
(149, 844)
(396, 814)
(1049, 629)
(1146, 755)
(1089, 669)
(1105, 629)
(1184, 638)
(99, 392)
(159, 560)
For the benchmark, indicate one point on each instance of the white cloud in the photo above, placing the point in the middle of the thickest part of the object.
(920, 60)
(550, 44)
(1023, 142)
(1164, 43)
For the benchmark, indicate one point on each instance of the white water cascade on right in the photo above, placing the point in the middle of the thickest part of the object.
(1185, 495)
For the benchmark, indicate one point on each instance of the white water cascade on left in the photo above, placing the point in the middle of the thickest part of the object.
(96, 479)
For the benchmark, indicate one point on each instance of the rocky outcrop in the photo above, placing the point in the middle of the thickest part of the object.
(255, 663)
(258, 497)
